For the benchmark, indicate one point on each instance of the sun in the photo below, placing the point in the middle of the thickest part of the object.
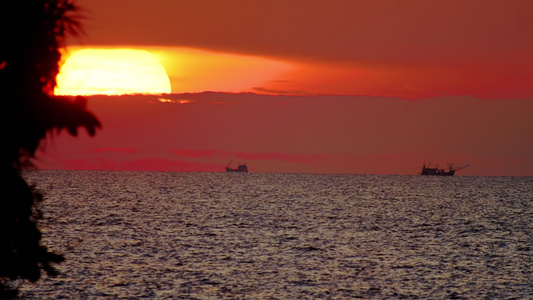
(112, 72)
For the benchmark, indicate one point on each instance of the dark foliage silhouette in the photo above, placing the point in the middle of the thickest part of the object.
(31, 34)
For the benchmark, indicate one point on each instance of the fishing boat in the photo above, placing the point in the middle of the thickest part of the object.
(240, 168)
(428, 170)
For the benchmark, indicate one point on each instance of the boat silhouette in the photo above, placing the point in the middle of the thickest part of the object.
(428, 170)
(240, 168)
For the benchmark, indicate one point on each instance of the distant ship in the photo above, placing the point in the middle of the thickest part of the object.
(240, 168)
(427, 170)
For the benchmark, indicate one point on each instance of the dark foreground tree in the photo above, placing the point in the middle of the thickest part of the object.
(31, 35)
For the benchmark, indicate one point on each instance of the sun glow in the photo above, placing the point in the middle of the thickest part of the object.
(195, 71)
(112, 72)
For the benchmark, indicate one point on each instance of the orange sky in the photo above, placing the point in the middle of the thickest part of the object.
(326, 134)
(414, 48)
(441, 81)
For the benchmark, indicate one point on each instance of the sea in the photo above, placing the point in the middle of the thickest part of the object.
(165, 235)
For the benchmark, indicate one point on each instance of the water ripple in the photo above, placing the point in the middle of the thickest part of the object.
(151, 235)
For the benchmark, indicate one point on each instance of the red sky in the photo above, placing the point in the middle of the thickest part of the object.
(440, 81)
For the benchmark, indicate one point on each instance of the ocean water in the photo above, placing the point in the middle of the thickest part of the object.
(157, 235)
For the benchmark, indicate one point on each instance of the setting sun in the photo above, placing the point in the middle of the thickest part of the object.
(112, 72)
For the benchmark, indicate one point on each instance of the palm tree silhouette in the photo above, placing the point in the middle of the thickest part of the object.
(31, 35)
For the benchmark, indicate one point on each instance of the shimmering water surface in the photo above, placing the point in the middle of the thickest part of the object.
(163, 235)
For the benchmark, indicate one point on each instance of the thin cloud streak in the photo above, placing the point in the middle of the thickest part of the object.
(288, 157)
